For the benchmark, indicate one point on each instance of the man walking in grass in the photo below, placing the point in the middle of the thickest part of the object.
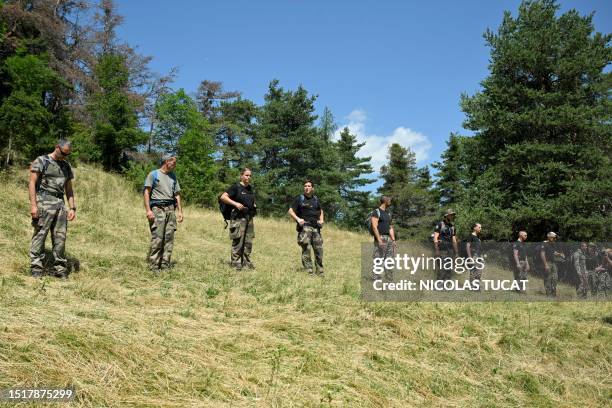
(161, 198)
(50, 179)
(241, 196)
(445, 243)
(519, 257)
(384, 235)
(548, 254)
(473, 247)
(308, 214)
(579, 258)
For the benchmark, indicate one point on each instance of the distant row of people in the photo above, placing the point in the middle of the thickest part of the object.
(51, 179)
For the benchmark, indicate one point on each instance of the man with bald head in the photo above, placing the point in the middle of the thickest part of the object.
(50, 179)
(519, 256)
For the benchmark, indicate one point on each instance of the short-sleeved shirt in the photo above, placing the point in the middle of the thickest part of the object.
(243, 195)
(446, 231)
(384, 220)
(307, 208)
(475, 245)
(592, 260)
(579, 259)
(166, 186)
(53, 179)
(549, 250)
(521, 248)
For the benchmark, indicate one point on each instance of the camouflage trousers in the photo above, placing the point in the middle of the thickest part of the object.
(241, 232)
(386, 250)
(162, 236)
(600, 283)
(52, 216)
(445, 272)
(311, 237)
(583, 284)
(475, 274)
(520, 273)
(550, 280)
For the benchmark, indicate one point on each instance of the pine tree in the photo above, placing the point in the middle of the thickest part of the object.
(413, 203)
(542, 123)
(451, 176)
(182, 130)
(291, 150)
(356, 203)
(114, 112)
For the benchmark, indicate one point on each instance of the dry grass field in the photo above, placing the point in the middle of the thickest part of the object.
(205, 335)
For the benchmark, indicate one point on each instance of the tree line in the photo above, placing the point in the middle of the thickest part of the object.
(538, 159)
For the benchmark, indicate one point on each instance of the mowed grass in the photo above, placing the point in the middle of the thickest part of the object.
(205, 335)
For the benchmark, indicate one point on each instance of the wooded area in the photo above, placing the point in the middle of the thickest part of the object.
(538, 158)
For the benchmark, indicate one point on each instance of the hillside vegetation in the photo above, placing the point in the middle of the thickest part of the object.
(205, 335)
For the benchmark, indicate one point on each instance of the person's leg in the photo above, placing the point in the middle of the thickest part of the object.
(317, 246)
(236, 235)
(170, 221)
(377, 253)
(389, 251)
(248, 243)
(59, 228)
(303, 240)
(42, 225)
(156, 227)
(554, 279)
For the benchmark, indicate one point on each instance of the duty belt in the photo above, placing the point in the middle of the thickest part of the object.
(52, 194)
(162, 203)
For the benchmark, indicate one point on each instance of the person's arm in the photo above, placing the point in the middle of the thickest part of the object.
(436, 241)
(455, 245)
(375, 230)
(147, 203)
(227, 200)
(321, 218)
(468, 248)
(71, 204)
(179, 207)
(293, 215)
(516, 258)
(576, 257)
(392, 233)
(32, 193)
(543, 258)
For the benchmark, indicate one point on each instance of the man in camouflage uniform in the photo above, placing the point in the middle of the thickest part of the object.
(579, 259)
(601, 263)
(384, 235)
(308, 214)
(241, 196)
(445, 243)
(161, 198)
(50, 178)
(549, 254)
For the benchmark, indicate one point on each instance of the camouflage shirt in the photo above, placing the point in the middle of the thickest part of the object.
(53, 175)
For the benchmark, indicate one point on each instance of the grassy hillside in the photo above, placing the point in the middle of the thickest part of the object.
(205, 335)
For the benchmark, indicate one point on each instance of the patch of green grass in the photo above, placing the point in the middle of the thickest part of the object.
(205, 335)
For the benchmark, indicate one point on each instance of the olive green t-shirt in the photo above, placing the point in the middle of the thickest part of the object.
(165, 187)
(52, 180)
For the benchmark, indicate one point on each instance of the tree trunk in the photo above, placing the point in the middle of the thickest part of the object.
(8, 152)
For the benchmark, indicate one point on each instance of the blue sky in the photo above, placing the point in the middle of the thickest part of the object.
(391, 70)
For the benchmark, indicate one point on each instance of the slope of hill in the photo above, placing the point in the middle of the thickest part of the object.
(205, 335)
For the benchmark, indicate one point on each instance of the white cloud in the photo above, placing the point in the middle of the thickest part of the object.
(377, 146)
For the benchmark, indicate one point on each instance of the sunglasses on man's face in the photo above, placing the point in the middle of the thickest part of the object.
(64, 153)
